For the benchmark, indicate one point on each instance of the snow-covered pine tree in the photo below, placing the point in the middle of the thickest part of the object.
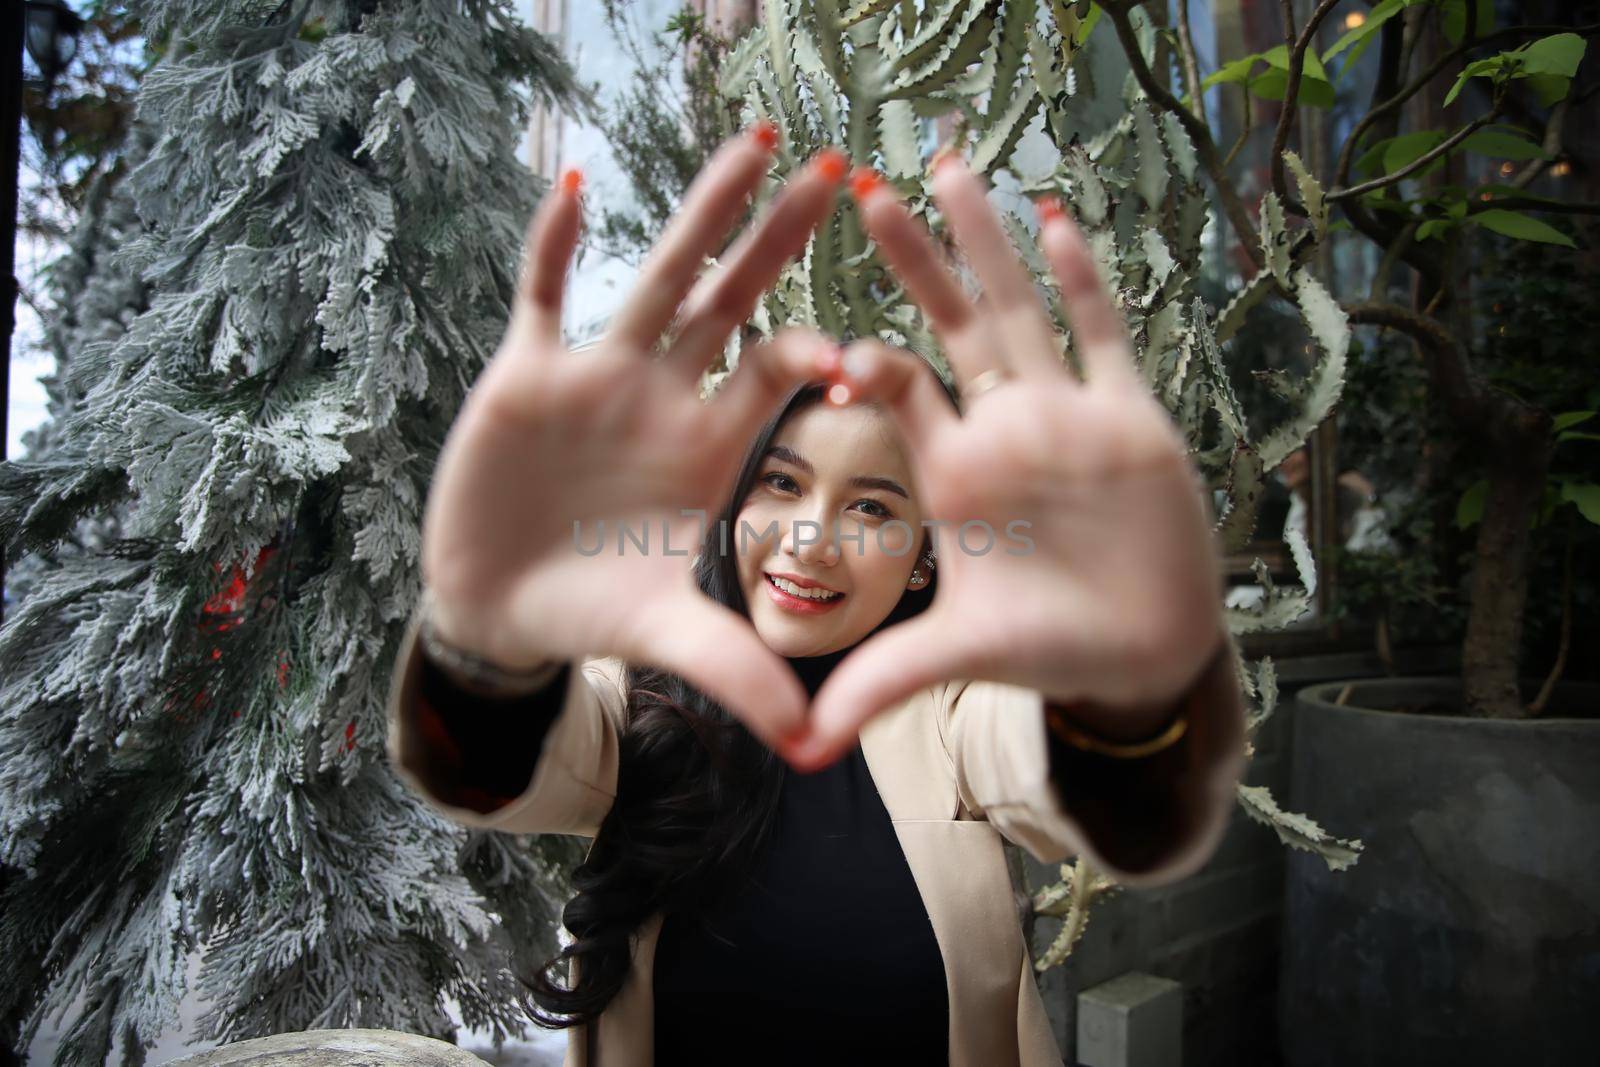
(191, 706)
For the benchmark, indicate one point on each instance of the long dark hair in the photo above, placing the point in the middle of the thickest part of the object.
(697, 793)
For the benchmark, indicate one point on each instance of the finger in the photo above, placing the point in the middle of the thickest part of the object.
(710, 207)
(767, 371)
(886, 669)
(725, 299)
(1098, 332)
(546, 253)
(1021, 319)
(918, 261)
(902, 382)
(717, 651)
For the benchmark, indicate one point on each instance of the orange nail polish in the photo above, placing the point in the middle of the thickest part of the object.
(829, 358)
(572, 180)
(1049, 207)
(940, 158)
(863, 180)
(832, 163)
(765, 132)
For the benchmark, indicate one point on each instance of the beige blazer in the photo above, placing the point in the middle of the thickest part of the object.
(961, 766)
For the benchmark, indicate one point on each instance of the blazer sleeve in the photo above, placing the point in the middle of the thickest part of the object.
(1145, 822)
(543, 763)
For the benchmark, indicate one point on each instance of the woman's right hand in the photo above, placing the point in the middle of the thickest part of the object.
(550, 444)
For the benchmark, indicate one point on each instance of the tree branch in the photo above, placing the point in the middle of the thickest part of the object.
(1550, 143)
(1205, 147)
(1191, 63)
(1534, 203)
(1379, 231)
(1462, 391)
(1291, 90)
(1421, 161)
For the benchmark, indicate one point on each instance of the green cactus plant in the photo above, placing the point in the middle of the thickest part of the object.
(867, 75)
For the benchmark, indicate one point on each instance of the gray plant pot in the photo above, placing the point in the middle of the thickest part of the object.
(1469, 931)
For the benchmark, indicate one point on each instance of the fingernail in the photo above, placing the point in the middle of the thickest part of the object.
(1049, 207)
(863, 180)
(792, 744)
(855, 364)
(765, 133)
(943, 156)
(802, 751)
(832, 164)
(839, 394)
(571, 181)
(829, 356)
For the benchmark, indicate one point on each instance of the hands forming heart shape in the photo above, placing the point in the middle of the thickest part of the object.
(1116, 603)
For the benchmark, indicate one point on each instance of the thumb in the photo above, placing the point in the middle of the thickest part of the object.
(886, 669)
(716, 650)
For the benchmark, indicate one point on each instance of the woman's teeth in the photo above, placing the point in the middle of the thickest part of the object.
(794, 590)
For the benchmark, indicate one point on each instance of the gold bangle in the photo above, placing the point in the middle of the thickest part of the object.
(1079, 738)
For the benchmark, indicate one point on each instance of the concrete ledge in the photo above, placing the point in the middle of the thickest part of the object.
(334, 1048)
(1134, 1020)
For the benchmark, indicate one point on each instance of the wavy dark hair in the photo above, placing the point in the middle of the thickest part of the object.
(697, 793)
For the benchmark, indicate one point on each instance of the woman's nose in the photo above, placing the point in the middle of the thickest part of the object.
(811, 541)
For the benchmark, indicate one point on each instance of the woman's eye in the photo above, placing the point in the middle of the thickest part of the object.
(881, 512)
(775, 477)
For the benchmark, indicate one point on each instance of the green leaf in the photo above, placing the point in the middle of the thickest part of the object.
(1558, 54)
(1433, 228)
(1237, 71)
(1454, 15)
(1549, 88)
(1476, 69)
(1316, 89)
(1574, 435)
(1523, 227)
(1586, 495)
(1409, 147)
(1392, 153)
(1569, 419)
(1470, 509)
(1502, 145)
(1380, 14)
(1086, 27)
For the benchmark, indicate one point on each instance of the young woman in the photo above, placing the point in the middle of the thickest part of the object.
(909, 633)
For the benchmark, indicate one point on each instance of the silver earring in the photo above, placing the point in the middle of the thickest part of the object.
(927, 564)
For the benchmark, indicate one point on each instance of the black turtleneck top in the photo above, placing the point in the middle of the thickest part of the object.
(828, 943)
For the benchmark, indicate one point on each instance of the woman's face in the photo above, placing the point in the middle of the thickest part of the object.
(833, 508)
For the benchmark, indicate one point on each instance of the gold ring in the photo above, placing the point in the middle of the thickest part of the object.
(983, 383)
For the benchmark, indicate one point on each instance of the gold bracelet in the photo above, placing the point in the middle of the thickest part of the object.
(1081, 739)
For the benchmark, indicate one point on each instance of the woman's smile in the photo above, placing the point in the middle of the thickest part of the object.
(791, 596)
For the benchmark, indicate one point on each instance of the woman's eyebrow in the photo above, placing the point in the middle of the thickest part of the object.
(861, 481)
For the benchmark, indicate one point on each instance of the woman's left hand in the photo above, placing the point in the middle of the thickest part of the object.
(1116, 602)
